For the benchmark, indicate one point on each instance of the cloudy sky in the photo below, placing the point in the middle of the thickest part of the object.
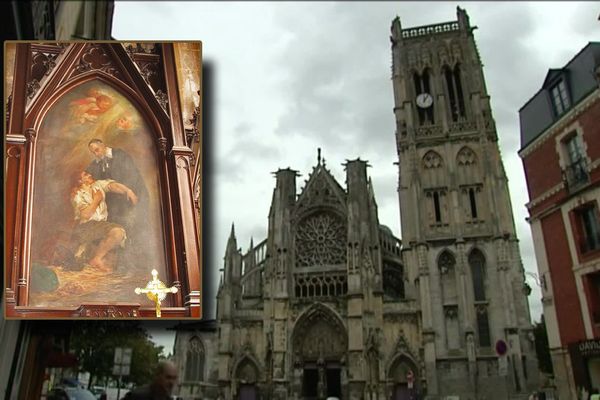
(291, 77)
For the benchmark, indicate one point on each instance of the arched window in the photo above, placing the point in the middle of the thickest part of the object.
(483, 326)
(446, 265)
(446, 262)
(194, 361)
(456, 99)
(459, 91)
(477, 263)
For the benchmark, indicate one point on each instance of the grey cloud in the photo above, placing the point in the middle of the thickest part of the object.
(228, 170)
(335, 85)
(587, 15)
(333, 78)
(507, 67)
(243, 129)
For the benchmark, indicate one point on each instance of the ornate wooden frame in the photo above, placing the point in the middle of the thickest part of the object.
(178, 167)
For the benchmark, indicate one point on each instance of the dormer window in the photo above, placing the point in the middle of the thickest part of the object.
(560, 98)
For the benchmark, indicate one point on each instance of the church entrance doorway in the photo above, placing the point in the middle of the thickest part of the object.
(247, 377)
(321, 382)
(310, 380)
(334, 382)
(320, 343)
(402, 392)
(403, 377)
(248, 392)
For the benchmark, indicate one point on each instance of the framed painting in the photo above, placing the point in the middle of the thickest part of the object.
(102, 163)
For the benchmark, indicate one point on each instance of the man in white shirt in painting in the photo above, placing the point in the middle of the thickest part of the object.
(89, 203)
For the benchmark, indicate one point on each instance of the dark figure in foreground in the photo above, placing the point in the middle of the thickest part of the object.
(161, 387)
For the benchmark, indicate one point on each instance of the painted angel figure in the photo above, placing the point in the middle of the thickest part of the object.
(87, 109)
(125, 123)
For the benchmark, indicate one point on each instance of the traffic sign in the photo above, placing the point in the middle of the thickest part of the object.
(501, 347)
(123, 355)
(118, 355)
(126, 356)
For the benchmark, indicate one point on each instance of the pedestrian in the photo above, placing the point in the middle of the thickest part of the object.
(161, 387)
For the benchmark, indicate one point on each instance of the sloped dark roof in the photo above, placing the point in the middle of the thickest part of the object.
(537, 114)
(551, 75)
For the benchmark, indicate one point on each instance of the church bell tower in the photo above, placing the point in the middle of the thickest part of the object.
(457, 223)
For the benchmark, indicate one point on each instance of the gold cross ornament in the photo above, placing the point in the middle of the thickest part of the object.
(156, 291)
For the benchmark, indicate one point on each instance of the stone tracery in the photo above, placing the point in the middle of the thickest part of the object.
(320, 240)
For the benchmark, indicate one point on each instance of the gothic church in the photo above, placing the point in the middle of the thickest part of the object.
(332, 304)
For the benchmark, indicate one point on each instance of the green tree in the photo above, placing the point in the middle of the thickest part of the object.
(145, 356)
(94, 343)
(541, 347)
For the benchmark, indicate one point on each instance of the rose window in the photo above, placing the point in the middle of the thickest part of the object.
(320, 240)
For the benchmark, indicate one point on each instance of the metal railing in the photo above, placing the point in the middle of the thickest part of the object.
(575, 175)
(590, 242)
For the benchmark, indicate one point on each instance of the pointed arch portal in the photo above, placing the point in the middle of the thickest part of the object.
(320, 342)
(403, 375)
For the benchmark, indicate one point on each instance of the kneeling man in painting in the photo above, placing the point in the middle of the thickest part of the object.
(89, 203)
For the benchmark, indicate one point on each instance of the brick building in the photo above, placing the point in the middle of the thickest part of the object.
(560, 148)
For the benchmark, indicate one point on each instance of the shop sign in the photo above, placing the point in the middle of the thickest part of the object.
(589, 347)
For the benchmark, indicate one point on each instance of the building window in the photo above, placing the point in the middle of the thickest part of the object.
(437, 207)
(320, 285)
(575, 171)
(455, 92)
(393, 280)
(477, 263)
(483, 326)
(592, 287)
(473, 203)
(446, 264)
(589, 227)
(194, 363)
(560, 98)
(321, 240)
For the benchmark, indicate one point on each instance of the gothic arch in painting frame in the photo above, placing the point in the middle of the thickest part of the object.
(71, 67)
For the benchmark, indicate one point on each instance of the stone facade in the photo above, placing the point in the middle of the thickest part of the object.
(322, 307)
(332, 304)
(457, 224)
